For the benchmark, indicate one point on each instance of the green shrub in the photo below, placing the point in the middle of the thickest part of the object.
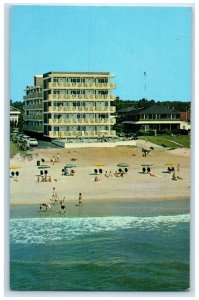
(146, 133)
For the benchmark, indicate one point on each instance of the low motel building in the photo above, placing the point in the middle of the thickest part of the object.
(14, 115)
(155, 118)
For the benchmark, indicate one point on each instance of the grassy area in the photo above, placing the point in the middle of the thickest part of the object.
(14, 149)
(169, 141)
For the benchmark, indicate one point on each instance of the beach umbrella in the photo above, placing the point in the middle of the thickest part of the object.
(43, 167)
(147, 165)
(171, 164)
(70, 166)
(14, 167)
(122, 165)
(99, 165)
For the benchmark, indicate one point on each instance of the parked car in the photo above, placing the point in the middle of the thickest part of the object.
(132, 136)
(32, 142)
(24, 138)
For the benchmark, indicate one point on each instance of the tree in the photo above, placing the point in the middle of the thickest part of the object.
(19, 105)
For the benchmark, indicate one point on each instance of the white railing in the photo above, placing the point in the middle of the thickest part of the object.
(76, 134)
(76, 85)
(83, 109)
(81, 121)
(77, 97)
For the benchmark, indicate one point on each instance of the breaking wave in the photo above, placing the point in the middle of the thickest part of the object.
(52, 230)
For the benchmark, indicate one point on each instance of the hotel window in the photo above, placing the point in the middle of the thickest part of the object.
(103, 92)
(75, 92)
(74, 80)
(102, 80)
(61, 79)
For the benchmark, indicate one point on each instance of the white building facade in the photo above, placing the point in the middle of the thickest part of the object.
(73, 105)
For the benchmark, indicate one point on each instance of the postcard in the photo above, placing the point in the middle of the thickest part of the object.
(100, 131)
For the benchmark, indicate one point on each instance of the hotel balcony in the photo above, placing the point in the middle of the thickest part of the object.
(33, 117)
(33, 106)
(63, 121)
(75, 134)
(80, 85)
(33, 96)
(33, 128)
(80, 97)
(81, 109)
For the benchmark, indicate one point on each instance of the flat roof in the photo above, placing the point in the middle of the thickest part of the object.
(78, 73)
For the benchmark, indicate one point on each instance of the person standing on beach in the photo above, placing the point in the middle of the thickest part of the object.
(54, 196)
(63, 207)
(80, 200)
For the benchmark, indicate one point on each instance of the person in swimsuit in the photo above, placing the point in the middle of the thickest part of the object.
(63, 207)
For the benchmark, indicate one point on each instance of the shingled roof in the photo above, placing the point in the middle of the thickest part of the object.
(126, 109)
(158, 109)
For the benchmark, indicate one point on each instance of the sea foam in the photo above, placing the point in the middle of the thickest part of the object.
(52, 230)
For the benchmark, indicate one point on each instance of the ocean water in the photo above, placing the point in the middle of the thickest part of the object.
(101, 247)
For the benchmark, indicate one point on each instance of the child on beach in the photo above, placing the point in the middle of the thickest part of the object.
(96, 179)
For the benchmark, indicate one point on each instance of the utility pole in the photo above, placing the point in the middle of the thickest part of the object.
(145, 83)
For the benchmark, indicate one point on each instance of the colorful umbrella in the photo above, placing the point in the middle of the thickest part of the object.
(70, 166)
(122, 164)
(171, 164)
(14, 167)
(43, 167)
(99, 165)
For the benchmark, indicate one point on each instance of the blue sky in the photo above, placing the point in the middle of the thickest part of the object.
(124, 40)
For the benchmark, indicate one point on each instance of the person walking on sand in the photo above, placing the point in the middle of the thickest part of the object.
(79, 200)
(58, 157)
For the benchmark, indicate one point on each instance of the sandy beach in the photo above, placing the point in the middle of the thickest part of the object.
(133, 186)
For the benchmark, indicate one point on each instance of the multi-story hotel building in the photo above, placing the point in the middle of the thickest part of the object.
(72, 104)
(33, 107)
